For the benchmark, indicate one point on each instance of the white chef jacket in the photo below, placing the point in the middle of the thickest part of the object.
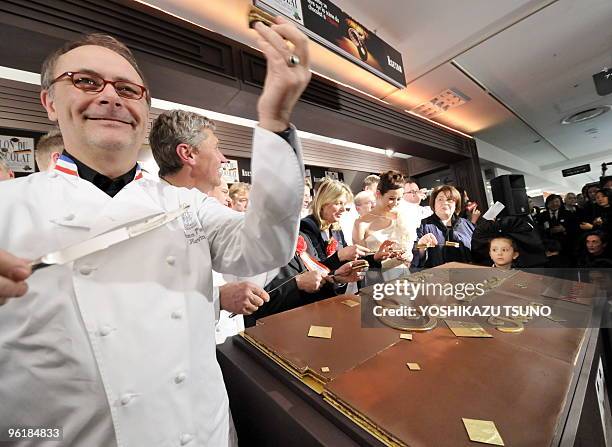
(226, 325)
(118, 348)
(347, 223)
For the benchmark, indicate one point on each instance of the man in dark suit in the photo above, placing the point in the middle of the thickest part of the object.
(557, 223)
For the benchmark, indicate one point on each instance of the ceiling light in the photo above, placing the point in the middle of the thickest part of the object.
(585, 115)
(389, 152)
(442, 102)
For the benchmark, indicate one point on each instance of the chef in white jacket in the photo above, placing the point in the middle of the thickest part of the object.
(117, 348)
(187, 153)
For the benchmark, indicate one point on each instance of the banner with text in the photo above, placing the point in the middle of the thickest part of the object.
(329, 25)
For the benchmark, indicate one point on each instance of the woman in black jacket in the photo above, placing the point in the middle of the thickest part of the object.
(321, 254)
(323, 235)
(296, 285)
(444, 236)
(603, 210)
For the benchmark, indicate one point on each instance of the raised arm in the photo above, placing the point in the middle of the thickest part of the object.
(285, 80)
(266, 236)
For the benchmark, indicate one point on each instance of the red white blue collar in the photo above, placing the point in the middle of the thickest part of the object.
(66, 165)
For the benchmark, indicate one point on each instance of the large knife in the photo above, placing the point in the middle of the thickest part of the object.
(105, 240)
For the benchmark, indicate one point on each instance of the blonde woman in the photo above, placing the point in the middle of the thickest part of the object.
(322, 233)
(239, 196)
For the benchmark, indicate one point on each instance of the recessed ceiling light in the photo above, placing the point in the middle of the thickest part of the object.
(585, 115)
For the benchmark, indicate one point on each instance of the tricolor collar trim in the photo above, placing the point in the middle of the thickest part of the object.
(66, 165)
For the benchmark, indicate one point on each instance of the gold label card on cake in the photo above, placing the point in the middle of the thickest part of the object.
(467, 329)
(320, 332)
(406, 336)
(413, 366)
(324, 369)
(350, 303)
(482, 431)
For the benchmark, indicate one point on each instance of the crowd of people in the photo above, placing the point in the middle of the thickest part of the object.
(127, 334)
(575, 231)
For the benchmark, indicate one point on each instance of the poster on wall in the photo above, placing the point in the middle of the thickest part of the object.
(329, 25)
(318, 174)
(229, 171)
(332, 174)
(288, 8)
(17, 152)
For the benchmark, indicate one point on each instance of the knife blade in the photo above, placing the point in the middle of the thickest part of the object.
(106, 240)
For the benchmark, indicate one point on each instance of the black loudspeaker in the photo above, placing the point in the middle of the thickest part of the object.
(603, 82)
(510, 190)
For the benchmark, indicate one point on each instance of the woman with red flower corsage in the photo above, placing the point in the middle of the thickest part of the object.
(323, 235)
(323, 264)
(302, 281)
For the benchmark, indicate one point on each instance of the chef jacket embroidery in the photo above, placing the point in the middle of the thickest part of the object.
(193, 230)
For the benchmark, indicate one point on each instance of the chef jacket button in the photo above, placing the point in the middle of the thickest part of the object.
(176, 315)
(180, 377)
(170, 260)
(105, 330)
(69, 217)
(86, 270)
(186, 438)
(126, 399)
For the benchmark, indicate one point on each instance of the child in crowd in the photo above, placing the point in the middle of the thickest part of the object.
(503, 251)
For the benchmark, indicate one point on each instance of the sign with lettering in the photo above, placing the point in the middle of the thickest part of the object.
(244, 169)
(329, 25)
(576, 170)
(318, 173)
(332, 175)
(229, 171)
(18, 153)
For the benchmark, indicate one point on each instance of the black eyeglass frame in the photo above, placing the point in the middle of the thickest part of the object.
(71, 74)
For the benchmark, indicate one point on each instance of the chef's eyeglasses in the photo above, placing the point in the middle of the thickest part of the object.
(92, 83)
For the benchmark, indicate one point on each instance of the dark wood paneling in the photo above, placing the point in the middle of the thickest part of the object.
(468, 174)
(420, 166)
(20, 107)
(141, 31)
(183, 64)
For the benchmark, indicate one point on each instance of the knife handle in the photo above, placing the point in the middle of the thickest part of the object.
(38, 264)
